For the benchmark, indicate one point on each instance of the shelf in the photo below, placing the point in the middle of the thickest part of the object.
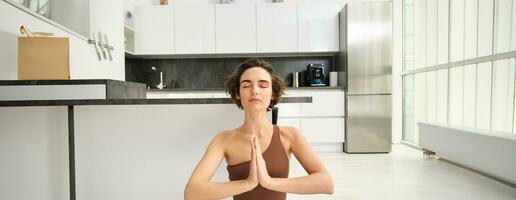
(230, 55)
(128, 53)
(128, 39)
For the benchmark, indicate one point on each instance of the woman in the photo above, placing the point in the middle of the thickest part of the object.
(257, 152)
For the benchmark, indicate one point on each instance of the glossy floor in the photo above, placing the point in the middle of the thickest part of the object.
(403, 174)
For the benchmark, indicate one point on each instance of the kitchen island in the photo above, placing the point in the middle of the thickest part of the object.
(123, 148)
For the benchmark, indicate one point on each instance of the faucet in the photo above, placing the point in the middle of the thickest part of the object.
(161, 84)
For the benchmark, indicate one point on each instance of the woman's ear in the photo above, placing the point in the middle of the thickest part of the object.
(237, 97)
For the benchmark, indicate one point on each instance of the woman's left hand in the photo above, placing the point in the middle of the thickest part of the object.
(263, 176)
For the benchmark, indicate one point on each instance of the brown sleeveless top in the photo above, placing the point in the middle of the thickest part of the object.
(277, 165)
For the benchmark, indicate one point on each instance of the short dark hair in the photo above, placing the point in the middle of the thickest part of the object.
(232, 81)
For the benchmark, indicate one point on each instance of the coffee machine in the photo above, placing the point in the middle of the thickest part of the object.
(315, 75)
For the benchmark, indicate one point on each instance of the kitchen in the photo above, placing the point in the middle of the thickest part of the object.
(180, 53)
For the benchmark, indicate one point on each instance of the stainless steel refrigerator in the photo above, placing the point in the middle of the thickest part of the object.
(365, 56)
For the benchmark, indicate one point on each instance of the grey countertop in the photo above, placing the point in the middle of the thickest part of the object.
(65, 82)
(137, 101)
(114, 89)
(123, 94)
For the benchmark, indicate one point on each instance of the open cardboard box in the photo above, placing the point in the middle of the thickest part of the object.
(43, 58)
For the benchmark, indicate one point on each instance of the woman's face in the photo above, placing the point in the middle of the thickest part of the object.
(255, 89)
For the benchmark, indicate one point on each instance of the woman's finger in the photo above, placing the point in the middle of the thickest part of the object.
(253, 150)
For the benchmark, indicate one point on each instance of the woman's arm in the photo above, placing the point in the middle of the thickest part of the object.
(318, 179)
(200, 187)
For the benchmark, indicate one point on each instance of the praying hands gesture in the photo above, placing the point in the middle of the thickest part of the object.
(257, 169)
(317, 181)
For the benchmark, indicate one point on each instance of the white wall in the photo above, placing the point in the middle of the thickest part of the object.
(33, 153)
(104, 15)
(107, 17)
(73, 14)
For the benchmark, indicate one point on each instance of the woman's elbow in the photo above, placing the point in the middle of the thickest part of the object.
(188, 193)
(329, 188)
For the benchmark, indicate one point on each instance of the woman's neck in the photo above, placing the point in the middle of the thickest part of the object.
(256, 123)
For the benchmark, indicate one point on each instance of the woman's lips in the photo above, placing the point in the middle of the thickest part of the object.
(255, 100)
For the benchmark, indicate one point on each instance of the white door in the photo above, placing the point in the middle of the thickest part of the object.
(194, 28)
(276, 27)
(323, 130)
(154, 30)
(235, 28)
(324, 103)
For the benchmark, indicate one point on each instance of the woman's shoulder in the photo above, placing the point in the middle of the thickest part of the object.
(224, 136)
(289, 132)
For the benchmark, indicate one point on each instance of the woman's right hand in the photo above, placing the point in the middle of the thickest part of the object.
(252, 179)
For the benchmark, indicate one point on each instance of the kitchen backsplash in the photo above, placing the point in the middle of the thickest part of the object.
(205, 73)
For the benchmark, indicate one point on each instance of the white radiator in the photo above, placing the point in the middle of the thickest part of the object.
(490, 152)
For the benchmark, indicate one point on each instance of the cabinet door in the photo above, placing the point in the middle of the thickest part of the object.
(318, 23)
(235, 30)
(323, 130)
(220, 95)
(276, 27)
(179, 95)
(289, 109)
(324, 103)
(296, 123)
(154, 30)
(194, 28)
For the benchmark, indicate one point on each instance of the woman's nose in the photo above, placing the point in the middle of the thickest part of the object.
(254, 90)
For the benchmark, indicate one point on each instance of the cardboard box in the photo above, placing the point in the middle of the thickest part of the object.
(43, 58)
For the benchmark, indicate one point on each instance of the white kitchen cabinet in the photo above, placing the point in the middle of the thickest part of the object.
(194, 28)
(318, 25)
(296, 123)
(323, 130)
(221, 95)
(289, 109)
(324, 103)
(178, 95)
(322, 122)
(154, 29)
(276, 26)
(235, 28)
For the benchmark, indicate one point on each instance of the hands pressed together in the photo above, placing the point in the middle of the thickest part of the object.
(257, 169)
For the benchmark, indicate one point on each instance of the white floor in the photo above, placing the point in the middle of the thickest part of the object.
(403, 174)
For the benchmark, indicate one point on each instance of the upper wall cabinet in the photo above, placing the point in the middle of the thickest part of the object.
(318, 25)
(154, 29)
(235, 28)
(276, 25)
(194, 28)
(238, 28)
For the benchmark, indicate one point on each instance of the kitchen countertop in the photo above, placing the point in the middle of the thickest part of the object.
(70, 89)
(222, 89)
(18, 93)
(137, 101)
